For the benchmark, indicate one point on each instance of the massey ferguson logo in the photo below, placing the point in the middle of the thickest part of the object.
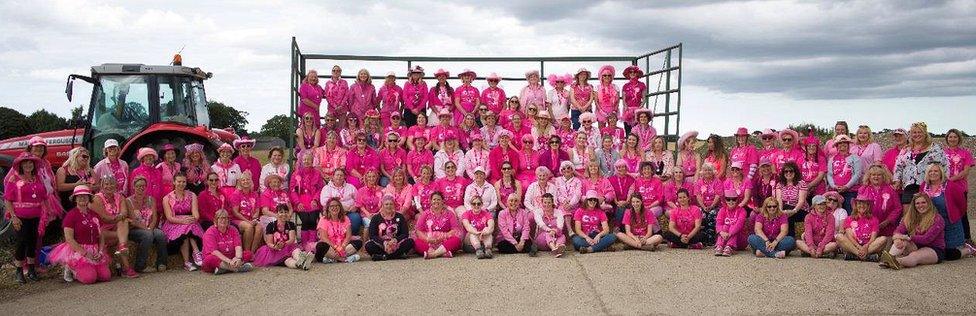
(52, 141)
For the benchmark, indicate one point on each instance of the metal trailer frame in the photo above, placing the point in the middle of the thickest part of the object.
(668, 70)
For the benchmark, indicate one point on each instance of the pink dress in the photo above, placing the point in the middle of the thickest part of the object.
(468, 97)
(87, 231)
(182, 208)
(533, 94)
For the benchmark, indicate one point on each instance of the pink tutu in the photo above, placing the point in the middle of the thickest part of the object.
(309, 239)
(63, 254)
(175, 231)
(267, 257)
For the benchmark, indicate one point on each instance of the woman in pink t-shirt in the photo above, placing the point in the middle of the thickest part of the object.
(581, 96)
(311, 95)
(222, 245)
(83, 251)
(730, 224)
(281, 243)
(438, 230)
(814, 166)
(860, 239)
(899, 144)
(336, 241)
(641, 230)
(818, 232)
(246, 209)
(886, 205)
(591, 226)
(960, 162)
(607, 95)
(479, 225)
(684, 224)
(769, 238)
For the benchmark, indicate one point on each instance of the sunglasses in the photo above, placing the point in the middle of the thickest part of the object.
(84, 156)
(787, 139)
(731, 199)
(395, 118)
(360, 140)
(393, 140)
(245, 146)
(788, 171)
(767, 137)
(587, 122)
(554, 143)
(772, 206)
(506, 168)
(476, 204)
(212, 180)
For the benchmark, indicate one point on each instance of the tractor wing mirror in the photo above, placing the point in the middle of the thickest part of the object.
(69, 87)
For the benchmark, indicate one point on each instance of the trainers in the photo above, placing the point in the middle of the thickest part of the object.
(328, 260)
(559, 251)
(697, 246)
(352, 258)
(533, 250)
(448, 255)
(130, 273)
(480, 253)
(19, 275)
(379, 258)
(488, 253)
(121, 250)
(307, 259)
(198, 258)
(219, 271)
(780, 254)
(246, 267)
(585, 250)
(188, 266)
(872, 257)
(161, 268)
(69, 276)
(672, 245)
(718, 250)
(728, 252)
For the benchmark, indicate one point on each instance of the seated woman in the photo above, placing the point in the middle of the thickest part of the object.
(729, 222)
(770, 238)
(591, 226)
(182, 225)
(818, 231)
(389, 235)
(860, 240)
(640, 226)
(918, 240)
(549, 232)
(113, 213)
(685, 224)
(145, 227)
(222, 248)
(514, 226)
(82, 252)
(479, 225)
(438, 230)
(275, 193)
(246, 209)
(281, 244)
(336, 241)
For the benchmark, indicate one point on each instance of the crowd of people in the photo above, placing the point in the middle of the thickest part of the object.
(434, 172)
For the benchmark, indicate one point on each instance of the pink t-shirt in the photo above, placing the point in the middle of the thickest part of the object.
(431, 222)
(86, 226)
(684, 218)
(959, 158)
(335, 230)
(863, 227)
(248, 203)
(225, 242)
(590, 220)
(479, 221)
(639, 229)
(26, 197)
(708, 190)
(771, 226)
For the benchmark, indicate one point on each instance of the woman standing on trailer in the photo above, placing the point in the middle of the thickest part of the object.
(607, 96)
(558, 97)
(534, 93)
(440, 97)
(361, 96)
(335, 91)
(633, 95)
(581, 95)
(390, 98)
(467, 98)
(414, 96)
(493, 96)
(311, 94)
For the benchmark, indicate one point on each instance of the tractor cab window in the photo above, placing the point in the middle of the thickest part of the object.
(175, 100)
(200, 103)
(120, 108)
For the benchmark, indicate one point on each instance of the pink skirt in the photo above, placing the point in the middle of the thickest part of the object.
(175, 231)
(309, 239)
(267, 257)
(63, 254)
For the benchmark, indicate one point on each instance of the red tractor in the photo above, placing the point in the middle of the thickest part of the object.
(137, 105)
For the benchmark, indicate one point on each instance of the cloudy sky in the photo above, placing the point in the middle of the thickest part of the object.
(754, 63)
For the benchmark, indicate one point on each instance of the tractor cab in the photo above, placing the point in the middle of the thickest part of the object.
(129, 100)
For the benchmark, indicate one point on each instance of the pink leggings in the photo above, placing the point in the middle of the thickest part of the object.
(87, 273)
(211, 262)
(542, 240)
(451, 244)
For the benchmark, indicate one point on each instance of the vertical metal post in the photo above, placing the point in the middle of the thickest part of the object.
(542, 73)
(667, 98)
(292, 92)
(677, 119)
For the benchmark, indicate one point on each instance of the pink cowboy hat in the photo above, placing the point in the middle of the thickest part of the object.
(442, 72)
(146, 151)
(684, 138)
(791, 132)
(607, 69)
(742, 131)
(80, 190)
(191, 147)
(736, 165)
(168, 147)
(582, 70)
(225, 147)
(834, 195)
(730, 194)
(416, 70)
(647, 111)
(531, 72)
(633, 68)
(505, 133)
(769, 132)
(467, 72)
(25, 157)
(493, 77)
(842, 139)
(764, 161)
(590, 194)
(243, 141)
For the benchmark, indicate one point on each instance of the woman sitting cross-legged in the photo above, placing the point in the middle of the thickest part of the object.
(281, 243)
(222, 248)
(389, 235)
(770, 238)
(640, 226)
(336, 242)
(685, 224)
(591, 226)
(479, 225)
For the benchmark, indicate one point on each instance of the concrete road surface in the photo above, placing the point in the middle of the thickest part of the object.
(628, 282)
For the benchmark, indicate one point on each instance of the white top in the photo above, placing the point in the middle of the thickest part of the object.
(346, 194)
(489, 198)
(441, 158)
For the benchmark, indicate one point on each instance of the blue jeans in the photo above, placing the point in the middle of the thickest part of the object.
(574, 117)
(848, 199)
(356, 221)
(146, 239)
(757, 243)
(603, 243)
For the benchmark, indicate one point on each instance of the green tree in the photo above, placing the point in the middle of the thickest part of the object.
(279, 126)
(13, 123)
(223, 116)
(77, 114)
(44, 121)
